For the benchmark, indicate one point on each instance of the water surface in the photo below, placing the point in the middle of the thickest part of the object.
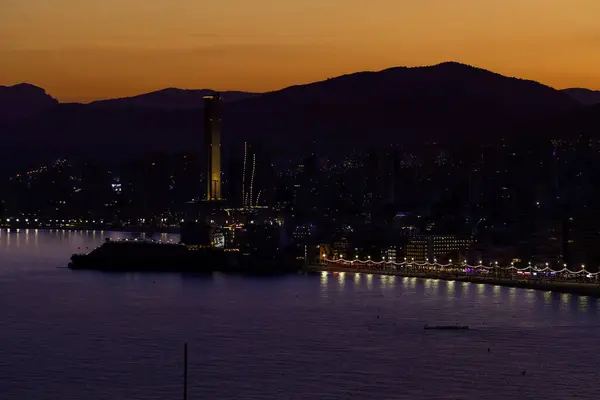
(91, 335)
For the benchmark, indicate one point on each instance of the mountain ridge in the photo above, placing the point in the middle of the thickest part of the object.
(445, 102)
(587, 97)
(23, 100)
(171, 98)
(174, 98)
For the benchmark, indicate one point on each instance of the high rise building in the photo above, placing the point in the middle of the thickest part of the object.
(212, 131)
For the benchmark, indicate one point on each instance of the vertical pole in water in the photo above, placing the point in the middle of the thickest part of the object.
(185, 370)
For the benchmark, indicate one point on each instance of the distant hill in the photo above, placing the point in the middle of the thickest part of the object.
(23, 101)
(171, 99)
(586, 97)
(447, 102)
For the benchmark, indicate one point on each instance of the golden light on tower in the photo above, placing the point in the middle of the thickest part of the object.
(212, 132)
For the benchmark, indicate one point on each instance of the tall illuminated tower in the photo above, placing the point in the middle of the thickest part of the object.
(212, 132)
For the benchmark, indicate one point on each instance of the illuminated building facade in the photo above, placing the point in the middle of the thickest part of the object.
(390, 254)
(417, 249)
(424, 248)
(212, 131)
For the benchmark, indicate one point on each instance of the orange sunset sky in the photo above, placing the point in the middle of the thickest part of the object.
(80, 50)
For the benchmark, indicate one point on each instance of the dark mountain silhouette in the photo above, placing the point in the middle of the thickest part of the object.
(171, 99)
(447, 102)
(23, 101)
(586, 97)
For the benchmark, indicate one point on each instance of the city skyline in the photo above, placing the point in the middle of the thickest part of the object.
(151, 45)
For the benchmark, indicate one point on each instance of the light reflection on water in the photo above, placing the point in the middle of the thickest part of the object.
(341, 277)
(480, 288)
(391, 282)
(324, 276)
(85, 335)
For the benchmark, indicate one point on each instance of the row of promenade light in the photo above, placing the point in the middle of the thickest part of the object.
(464, 264)
(58, 221)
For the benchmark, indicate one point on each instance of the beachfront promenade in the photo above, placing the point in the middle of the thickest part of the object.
(580, 282)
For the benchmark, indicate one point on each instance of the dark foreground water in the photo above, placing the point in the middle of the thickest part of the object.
(88, 335)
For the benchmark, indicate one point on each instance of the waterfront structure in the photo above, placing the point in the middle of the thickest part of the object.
(340, 247)
(417, 249)
(424, 248)
(212, 132)
(390, 254)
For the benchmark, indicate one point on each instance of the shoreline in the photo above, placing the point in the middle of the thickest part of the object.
(577, 288)
(151, 230)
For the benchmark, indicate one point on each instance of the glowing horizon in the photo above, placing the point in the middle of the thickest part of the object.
(83, 51)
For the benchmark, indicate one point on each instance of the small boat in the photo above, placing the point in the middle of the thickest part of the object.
(448, 327)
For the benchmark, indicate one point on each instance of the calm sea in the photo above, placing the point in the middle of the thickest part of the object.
(90, 335)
